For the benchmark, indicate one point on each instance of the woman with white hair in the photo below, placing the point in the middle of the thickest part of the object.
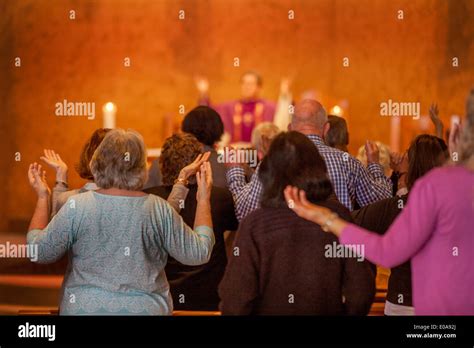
(434, 230)
(119, 237)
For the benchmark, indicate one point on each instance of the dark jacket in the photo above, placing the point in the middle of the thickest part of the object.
(195, 287)
(378, 217)
(279, 266)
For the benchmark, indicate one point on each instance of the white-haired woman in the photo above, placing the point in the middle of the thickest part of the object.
(118, 237)
(434, 230)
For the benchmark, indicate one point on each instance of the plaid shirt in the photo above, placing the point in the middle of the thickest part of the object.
(352, 182)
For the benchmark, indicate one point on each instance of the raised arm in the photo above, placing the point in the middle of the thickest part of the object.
(52, 240)
(192, 247)
(409, 232)
(37, 179)
(434, 116)
(179, 191)
(246, 195)
(52, 159)
(371, 184)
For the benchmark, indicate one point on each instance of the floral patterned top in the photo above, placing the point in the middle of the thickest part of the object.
(118, 248)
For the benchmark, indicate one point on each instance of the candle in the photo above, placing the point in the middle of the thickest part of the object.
(109, 110)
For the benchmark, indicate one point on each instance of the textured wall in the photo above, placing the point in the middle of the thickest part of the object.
(82, 60)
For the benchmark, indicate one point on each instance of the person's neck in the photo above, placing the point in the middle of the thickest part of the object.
(113, 191)
(249, 99)
(309, 131)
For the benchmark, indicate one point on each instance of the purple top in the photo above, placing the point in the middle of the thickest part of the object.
(241, 116)
(435, 230)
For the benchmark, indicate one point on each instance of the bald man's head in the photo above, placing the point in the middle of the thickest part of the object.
(309, 117)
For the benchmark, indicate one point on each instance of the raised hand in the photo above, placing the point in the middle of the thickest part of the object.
(194, 167)
(37, 179)
(434, 116)
(204, 181)
(53, 160)
(372, 151)
(399, 162)
(395, 160)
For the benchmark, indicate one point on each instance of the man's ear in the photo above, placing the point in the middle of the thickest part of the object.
(326, 128)
(266, 141)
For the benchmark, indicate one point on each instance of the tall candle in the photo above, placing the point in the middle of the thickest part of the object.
(109, 110)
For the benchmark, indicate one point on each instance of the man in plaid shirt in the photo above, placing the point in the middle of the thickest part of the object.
(353, 183)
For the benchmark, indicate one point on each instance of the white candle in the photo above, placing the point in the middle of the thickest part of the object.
(109, 110)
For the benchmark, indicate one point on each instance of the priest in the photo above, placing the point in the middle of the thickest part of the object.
(242, 115)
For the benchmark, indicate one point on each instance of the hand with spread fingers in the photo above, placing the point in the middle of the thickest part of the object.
(204, 181)
(53, 160)
(192, 168)
(37, 179)
(372, 151)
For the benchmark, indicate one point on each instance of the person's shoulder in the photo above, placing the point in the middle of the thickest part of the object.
(447, 173)
(160, 191)
(78, 196)
(336, 206)
(265, 216)
(382, 208)
(346, 156)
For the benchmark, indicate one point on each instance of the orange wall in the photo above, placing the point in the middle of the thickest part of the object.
(82, 60)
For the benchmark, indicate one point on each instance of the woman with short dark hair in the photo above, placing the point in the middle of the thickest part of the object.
(283, 265)
(206, 125)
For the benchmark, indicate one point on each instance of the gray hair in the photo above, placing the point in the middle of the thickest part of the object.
(120, 161)
(264, 129)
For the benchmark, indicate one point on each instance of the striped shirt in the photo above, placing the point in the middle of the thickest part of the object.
(353, 183)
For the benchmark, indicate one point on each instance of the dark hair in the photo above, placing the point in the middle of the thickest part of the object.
(293, 160)
(425, 153)
(205, 124)
(257, 76)
(82, 167)
(338, 135)
(178, 151)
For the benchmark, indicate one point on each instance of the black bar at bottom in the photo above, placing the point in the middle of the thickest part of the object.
(241, 330)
